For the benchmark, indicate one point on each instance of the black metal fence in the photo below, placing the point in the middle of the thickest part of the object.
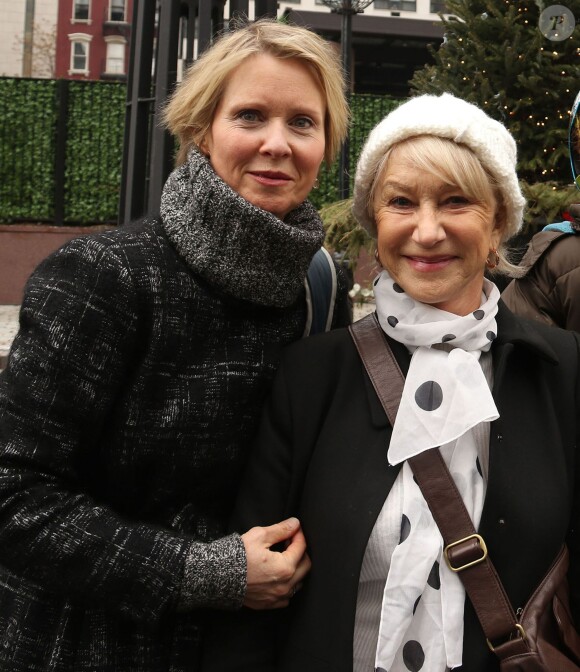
(61, 149)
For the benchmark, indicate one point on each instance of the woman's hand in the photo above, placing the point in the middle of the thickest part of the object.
(274, 577)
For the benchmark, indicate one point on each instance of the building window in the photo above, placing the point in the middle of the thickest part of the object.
(79, 56)
(438, 6)
(81, 10)
(117, 10)
(115, 58)
(404, 5)
(79, 53)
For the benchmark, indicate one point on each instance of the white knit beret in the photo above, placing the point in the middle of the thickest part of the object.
(444, 116)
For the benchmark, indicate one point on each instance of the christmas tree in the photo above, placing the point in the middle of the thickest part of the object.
(519, 63)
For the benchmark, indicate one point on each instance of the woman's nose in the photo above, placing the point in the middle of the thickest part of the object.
(429, 229)
(275, 141)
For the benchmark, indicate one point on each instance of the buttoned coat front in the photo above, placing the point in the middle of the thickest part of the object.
(322, 455)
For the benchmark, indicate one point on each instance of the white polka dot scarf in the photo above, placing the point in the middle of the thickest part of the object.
(445, 396)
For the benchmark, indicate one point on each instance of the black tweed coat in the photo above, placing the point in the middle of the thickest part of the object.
(131, 393)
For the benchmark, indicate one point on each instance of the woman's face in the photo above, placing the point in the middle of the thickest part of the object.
(431, 237)
(267, 137)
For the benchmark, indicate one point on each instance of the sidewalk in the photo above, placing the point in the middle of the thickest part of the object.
(9, 325)
(8, 329)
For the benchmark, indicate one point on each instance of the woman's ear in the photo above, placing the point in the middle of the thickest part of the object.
(498, 226)
(203, 147)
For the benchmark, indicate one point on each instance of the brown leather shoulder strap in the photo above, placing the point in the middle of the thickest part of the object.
(480, 579)
(464, 546)
(380, 363)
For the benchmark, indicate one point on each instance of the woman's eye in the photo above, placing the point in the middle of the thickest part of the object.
(399, 202)
(303, 122)
(248, 115)
(458, 200)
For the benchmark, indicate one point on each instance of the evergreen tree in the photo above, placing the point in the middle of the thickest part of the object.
(495, 56)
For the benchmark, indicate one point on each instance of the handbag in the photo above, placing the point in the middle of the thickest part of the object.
(542, 638)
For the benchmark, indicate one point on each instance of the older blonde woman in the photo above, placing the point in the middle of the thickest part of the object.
(135, 384)
(436, 186)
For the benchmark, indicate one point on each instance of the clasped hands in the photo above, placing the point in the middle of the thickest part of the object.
(273, 577)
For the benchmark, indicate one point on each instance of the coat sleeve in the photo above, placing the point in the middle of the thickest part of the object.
(79, 332)
(568, 290)
(550, 291)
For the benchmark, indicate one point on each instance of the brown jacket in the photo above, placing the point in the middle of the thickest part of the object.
(549, 292)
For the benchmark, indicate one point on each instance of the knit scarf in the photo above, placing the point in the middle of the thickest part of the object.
(445, 396)
(235, 246)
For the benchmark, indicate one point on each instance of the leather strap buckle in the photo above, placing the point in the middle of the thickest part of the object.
(518, 632)
(465, 553)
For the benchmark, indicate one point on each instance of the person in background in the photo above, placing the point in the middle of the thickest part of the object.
(549, 289)
(134, 386)
(436, 187)
(549, 292)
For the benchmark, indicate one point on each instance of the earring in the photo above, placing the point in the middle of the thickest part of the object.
(316, 184)
(491, 264)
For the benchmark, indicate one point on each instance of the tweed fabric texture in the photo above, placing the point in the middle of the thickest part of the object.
(131, 394)
(443, 116)
(267, 257)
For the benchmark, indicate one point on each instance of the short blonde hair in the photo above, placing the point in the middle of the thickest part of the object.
(456, 165)
(189, 112)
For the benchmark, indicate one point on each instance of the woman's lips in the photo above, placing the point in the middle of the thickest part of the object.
(270, 178)
(430, 264)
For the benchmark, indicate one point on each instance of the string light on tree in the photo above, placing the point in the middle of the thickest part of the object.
(500, 59)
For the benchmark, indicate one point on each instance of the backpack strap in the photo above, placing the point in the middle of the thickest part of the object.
(320, 286)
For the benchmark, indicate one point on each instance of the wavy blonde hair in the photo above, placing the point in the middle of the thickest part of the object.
(190, 110)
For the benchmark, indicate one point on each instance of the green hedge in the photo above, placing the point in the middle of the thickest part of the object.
(94, 152)
(29, 122)
(28, 116)
(366, 111)
(95, 116)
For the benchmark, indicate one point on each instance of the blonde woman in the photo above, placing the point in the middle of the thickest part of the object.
(135, 384)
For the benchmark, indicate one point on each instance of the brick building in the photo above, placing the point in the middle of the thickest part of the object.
(93, 39)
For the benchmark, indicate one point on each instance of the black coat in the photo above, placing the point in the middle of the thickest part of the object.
(321, 455)
(131, 395)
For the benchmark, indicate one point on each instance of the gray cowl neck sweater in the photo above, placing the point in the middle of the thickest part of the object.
(235, 246)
